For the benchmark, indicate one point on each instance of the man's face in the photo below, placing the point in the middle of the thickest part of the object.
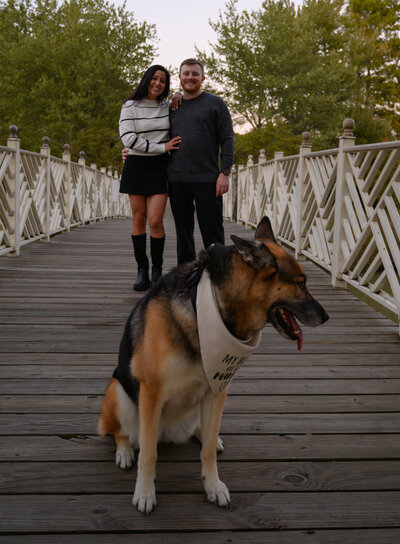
(191, 78)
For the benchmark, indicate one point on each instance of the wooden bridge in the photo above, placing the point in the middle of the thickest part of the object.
(312, 438)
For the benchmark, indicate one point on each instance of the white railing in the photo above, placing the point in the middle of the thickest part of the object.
(339, 207)
(41, 195)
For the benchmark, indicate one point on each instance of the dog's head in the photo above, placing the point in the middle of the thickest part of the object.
(276, 284)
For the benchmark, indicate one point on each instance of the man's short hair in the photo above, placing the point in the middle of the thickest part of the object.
(190, 62)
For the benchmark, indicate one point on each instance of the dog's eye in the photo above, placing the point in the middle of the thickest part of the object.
(302, 284)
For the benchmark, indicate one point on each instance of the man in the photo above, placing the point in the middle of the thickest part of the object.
(198, 173)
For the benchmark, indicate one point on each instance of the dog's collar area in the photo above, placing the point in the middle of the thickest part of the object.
(222, 353)
(192, 282)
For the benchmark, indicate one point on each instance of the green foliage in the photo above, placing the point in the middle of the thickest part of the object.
(308, 69)
(67, 67)
(271, 137)
(374, 52)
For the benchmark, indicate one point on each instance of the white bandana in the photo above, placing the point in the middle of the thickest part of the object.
(221, 352)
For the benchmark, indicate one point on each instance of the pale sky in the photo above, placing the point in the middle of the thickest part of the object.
(182, 23)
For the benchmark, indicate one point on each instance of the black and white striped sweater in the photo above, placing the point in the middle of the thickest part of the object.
(144, 126)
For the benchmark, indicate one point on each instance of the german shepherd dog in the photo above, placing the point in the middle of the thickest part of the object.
(159, 390)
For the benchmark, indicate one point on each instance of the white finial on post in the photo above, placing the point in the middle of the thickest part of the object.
(13, 132)
(348, 126)
(66, 152)
(305, 139)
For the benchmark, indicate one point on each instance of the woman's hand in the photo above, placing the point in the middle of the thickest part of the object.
(173, 143)
(176, 101)
(125, 153)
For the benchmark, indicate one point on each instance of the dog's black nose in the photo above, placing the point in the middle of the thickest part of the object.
(324, 315)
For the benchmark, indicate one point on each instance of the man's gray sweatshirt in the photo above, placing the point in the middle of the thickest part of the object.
(205, 126)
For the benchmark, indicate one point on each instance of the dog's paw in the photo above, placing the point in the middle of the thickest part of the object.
(124, 457)
(220, 445)
(144, 498)
(218, 493)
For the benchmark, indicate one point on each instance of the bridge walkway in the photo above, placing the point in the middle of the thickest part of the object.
(312, 438)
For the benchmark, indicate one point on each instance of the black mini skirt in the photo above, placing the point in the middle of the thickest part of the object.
(144, 175)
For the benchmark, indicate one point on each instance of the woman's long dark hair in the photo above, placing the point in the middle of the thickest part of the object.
(143, 87)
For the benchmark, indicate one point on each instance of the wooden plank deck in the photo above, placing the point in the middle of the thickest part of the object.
(312, 439)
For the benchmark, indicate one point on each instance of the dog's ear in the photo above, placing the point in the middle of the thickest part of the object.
(264, 230)
(255, 254)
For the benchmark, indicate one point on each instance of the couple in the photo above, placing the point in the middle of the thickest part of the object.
(191, 147)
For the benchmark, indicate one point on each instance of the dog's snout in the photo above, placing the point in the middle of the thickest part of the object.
(324, 315)
(320, 312)
(313, 314)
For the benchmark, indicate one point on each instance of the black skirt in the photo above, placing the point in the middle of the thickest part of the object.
(144, 175)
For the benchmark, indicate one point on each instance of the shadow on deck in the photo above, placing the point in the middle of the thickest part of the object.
(312, 439)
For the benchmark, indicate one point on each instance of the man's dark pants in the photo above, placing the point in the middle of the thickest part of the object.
(184, 197)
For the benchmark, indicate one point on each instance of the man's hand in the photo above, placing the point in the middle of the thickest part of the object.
(222, 184)
(125, 153)
(176, 101)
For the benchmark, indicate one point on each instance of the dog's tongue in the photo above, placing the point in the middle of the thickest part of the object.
(296, 327)
(300, 340)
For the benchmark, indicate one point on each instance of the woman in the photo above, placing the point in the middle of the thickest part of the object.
(144, 129)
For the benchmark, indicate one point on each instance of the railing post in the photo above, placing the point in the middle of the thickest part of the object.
(82, 162)
(261, 162)
(14, 143)
(45, 150)
(302, 169)
(233, 194)
(277, 155)
(94, 191)
(248, 188)
(67, 211)
(119, 207)
(102, 192)
(239, 192)
(110, 194)
(346, 140)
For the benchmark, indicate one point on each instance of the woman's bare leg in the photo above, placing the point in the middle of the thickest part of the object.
(156, 209)
(139, 213)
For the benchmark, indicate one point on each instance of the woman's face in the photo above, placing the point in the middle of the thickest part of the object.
(157, 85)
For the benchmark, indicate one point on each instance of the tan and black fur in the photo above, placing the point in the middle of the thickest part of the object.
(159, 391)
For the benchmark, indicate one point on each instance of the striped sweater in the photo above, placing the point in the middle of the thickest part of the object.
(144, 126)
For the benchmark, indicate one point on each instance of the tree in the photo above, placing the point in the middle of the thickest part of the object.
(316, 80)
(374, 50)
(297, 68)
(244, 62)
(67, 67)
(271, 137)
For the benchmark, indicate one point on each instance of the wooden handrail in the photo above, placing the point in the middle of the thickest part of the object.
(338, 207)
(41, 195)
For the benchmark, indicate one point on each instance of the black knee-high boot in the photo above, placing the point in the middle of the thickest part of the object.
(157, 251)
(139, 248)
